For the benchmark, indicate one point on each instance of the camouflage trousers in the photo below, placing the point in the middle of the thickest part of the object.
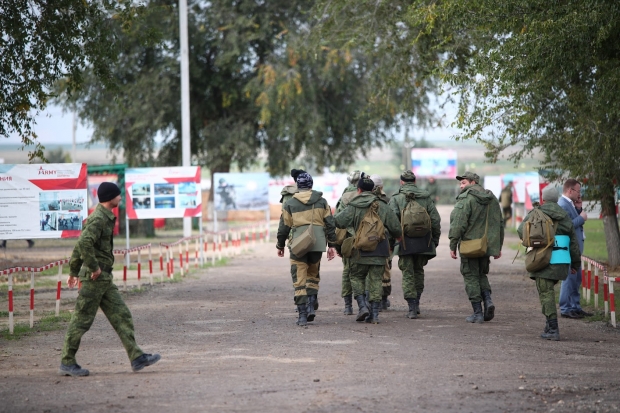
(346, 278)
(475, 272)
(386, 280)
(305, 275)
(367, 277)
(92, 296)
(546, 293)
(412, 267)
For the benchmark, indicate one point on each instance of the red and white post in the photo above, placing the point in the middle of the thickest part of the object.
(596, 287)
(58, 289)
(126, 259)
(32, 298)
(589, 290)
(139, 269)
(150, 265)
(10, 287)
(612, 303)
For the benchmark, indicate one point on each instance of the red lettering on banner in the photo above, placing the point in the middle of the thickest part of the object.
(6, 178)
(46, 172)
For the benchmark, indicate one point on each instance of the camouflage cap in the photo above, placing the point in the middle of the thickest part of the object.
(470, 176)
(407, 176)
(354, 177)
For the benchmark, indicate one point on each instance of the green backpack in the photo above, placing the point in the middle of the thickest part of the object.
(414, 218)
(371, 230)
(538, 237)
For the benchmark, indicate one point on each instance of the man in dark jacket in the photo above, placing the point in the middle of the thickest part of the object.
(368, 263)
(547, 278)
(476, 214)
(307, 207)
(411, 260)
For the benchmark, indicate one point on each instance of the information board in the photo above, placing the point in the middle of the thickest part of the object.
(241, 191)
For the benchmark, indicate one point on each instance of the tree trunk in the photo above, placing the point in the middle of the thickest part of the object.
(610, 225)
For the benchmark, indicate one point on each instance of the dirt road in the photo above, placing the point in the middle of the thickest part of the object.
(229, 343)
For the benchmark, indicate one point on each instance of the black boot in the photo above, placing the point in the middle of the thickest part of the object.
(302, 309)
(363, 308)
(310, 309)
(553, 333)
(489, 308)
(316, 302)
(477, 316)
(348, 305)
(417, 306)
(376, 307)
(412, 302)
(385, 303)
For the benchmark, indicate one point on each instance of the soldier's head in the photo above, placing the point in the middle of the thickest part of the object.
(353, 177)
(295, 173)
(365, 184)
(550, 194)
(377, 181)
(304, 181)
(109, 195)
(407, 177)
(468, 178)
(571, 189)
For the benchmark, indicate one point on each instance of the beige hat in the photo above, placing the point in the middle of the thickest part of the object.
(550, 194)
(377, 180)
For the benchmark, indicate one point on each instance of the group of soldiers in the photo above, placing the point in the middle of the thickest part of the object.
(477, 218)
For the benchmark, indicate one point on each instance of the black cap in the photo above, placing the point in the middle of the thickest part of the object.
(107, 191)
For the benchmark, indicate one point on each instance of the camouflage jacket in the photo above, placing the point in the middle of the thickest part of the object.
(287, 193)
(468, 219)
(564, 226)
(399, 202)
(348, 193)
(297, 214)
(94, 247)
(352, 216)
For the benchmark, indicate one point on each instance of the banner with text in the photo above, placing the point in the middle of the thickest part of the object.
(42, 201)
(168, 192)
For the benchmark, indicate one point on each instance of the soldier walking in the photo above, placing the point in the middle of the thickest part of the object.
(561, 259)
(476, 215)
(91, 262)
(414, 253)
(369, 264)
(306, 208)
(386, 281)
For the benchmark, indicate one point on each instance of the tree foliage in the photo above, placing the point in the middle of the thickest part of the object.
(44, 41)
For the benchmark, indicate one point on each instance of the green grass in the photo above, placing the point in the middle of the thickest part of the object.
(595, 246)
(49, 322)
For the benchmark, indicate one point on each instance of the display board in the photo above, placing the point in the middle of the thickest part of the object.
(525, 189)
(42, 201)
(331, 185)
(93, 199)
(241, 191)
(168, 192)
(434, 163)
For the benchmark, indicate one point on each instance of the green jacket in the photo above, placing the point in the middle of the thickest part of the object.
(287, 193)
(564, 226)
(399, 202)
(94, 247)
(468, 219)
(352, 216)
(297, 214)
(348, 193)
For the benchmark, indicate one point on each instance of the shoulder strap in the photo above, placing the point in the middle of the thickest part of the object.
(486, 228)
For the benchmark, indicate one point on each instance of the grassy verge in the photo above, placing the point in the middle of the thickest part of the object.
(594, 245)
(48, 322)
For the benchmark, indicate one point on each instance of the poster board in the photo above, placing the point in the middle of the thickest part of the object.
(434, 163)
(42, 200)
(332, 185)
(241, 191)
(93, 199)
(167, 192)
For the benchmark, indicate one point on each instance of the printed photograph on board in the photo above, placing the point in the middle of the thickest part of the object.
(164, 189)
(71, 200)
(141, 189)
(187, 202)
(187, 188)
(164, 202)
(242, 191)
(49, 201)
(49, 221)
(141, 202)
(69, 221)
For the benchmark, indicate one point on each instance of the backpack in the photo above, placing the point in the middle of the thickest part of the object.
(538, 230)
(371, 230)
(414, 218)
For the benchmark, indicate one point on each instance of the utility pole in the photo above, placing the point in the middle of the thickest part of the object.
(73, 146)
(185, 129)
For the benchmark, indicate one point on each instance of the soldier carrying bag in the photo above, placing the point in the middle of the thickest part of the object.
(371, 230)
(303, 243)
(414, 218)
(475, 248)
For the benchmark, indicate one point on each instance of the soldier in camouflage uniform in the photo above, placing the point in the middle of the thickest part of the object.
(468, 222)
(307, 207)
(410, 263)
(349, 193)
(386, 281)
(368, 264)
(548, 277)
(91, 262)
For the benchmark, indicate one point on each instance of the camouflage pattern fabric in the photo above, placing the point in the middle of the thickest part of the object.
(346, 278)
(304, 272)
(386, 280)
(475, 272)
(95, 245)
(367, 277)
(93, 295)
(546, 294)
(412, 267)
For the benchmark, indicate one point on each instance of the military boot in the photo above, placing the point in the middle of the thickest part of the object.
(302, 309)
(316, 302)
(489, 308)
(310, 309)
(348, 305)
(477, 316)
(553, 333)
(412, 302)
(363, 308)
(417, 306)
(385, 303)
(376, 307)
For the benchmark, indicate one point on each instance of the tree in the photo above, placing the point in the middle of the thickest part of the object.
(254, 89)
(532, 76)
(44, 41)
